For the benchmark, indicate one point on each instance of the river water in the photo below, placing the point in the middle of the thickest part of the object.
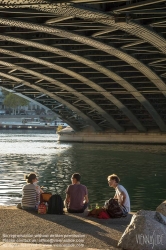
(141, 168)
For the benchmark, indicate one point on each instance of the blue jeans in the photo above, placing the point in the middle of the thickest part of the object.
(86, 205)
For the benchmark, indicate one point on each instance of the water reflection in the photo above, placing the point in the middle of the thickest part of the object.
(140, 167)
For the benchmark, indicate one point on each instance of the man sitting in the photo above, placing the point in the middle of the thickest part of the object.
(76, 195)
(120, 192)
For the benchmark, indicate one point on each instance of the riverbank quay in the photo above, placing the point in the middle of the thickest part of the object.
(58, 231)
(68, 135)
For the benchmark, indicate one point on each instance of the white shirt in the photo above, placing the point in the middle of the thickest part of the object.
(119, 189)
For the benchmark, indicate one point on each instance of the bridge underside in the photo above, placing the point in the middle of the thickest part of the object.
(96, 63)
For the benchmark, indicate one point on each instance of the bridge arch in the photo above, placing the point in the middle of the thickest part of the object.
(109, 73)
(108, 49)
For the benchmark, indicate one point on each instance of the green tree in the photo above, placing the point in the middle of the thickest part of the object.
(14, 101)
(4, 92)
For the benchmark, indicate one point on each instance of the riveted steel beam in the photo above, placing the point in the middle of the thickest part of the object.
(136, 5)
(132, 44)
(103, 113)
(58, 19)
(87, 120)
(104, 31)
(99, 89)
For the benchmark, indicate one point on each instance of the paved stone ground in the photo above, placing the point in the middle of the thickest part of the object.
(22, 246)
(69, 230)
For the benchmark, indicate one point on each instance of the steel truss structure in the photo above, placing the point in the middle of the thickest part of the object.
(97, 63)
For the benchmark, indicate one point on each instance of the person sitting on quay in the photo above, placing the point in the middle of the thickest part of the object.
(76, 195)
(31, 193)
(120, 192)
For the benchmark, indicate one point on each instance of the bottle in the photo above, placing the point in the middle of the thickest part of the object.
(90, 207)
(97, 206)
(46, 206)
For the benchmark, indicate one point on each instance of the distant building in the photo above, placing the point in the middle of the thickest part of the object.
(33, 108)
(1, 101)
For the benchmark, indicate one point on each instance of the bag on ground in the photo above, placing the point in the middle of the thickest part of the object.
(115, 210)
(100, 213)
(95, 212)
(103, 215)
(44, 197)
(42, 208)
(55, 205)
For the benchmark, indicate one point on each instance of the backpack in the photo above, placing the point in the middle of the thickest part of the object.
(55, 205)
(115, 210)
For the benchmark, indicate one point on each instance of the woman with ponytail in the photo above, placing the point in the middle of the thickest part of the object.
(31, 193)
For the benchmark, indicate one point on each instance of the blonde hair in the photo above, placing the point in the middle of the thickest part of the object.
(114, 177)
(29, 177)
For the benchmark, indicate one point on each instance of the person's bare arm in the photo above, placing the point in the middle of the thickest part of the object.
(124, 198)
(86, 198)
(67, 200)
(115, 196)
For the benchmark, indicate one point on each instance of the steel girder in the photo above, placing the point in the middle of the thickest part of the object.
(127, 94)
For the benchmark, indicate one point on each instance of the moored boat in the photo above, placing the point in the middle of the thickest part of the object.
(27, 123)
